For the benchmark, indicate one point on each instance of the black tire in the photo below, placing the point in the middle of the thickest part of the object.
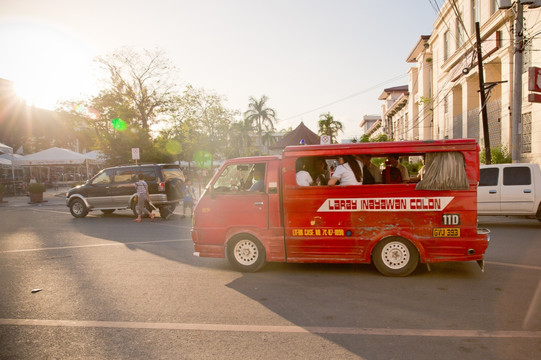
(245, 253)
(395, 257)
(108, 211)
(78, 208)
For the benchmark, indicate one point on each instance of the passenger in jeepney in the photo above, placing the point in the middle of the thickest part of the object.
(259, 177)
(321, 172)
(393, 160)
(303, 177)
(348, 172)
(371, 173)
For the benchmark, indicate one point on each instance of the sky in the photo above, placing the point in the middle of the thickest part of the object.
(308, 57)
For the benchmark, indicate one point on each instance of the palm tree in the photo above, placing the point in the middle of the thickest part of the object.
(239, 137)
(328, 126)
(268, 138)
(259, 115)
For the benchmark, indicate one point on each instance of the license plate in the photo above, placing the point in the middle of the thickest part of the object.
(446, 232)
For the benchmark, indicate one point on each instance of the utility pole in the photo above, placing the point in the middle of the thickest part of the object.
(483, 95)
(516, 128)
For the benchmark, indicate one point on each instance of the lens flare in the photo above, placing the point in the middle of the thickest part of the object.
(119, 124)
(173, 147)
(203, 159)
(86, 111)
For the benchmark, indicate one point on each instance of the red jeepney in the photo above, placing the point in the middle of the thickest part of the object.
(253, 211)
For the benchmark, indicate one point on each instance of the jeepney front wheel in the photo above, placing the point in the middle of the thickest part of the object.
(245, 253)
(395, 256)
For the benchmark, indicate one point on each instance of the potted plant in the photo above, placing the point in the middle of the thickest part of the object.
(36, 191)
(2, 191)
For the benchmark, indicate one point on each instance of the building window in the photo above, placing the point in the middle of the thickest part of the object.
(446, 104)
(527, 132)
(474, 14)
(459, 34)
(446, 45)
(494, 6)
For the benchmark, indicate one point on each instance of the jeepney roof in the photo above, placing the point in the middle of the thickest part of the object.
(255, 158)
(387, 147)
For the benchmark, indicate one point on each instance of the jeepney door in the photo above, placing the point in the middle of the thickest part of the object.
(237, 201)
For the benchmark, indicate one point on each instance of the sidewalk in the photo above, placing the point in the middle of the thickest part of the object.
(50, 197)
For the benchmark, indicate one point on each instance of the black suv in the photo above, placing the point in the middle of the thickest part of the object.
(110, 189)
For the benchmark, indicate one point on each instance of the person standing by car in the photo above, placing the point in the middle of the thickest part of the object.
(141, 187)
(189, 198)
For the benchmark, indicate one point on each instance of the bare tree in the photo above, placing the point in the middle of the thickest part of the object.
(141, 82)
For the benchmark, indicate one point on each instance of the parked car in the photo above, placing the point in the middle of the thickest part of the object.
(510, 189)
(110, 189)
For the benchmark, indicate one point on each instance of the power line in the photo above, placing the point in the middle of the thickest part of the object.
(345, 98)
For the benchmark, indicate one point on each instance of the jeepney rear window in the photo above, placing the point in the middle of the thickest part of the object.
(240, 178)
(444, 171)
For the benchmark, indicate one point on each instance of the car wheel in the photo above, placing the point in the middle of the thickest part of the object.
(108, 211)
(395, 257)
(245, 253)
(78, 208)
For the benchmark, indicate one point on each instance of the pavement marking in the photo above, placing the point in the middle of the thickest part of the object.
(528, 267)
(534, 304)
(276, 328)
(94, 245)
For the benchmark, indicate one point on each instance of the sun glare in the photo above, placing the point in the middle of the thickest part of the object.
(46, 64)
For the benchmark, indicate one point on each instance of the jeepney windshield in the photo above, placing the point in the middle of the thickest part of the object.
(236, 177)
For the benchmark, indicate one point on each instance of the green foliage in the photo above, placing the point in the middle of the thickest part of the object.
(35, 188)
(379, 138)
(498, 155)
(413, 168)
(329, 126)
(2, 189)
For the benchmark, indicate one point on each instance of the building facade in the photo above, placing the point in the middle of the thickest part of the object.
(444, 99)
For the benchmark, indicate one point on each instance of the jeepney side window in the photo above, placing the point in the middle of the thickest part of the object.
(444, 171)
(240, 178)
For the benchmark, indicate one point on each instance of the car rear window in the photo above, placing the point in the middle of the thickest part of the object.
(172, 173)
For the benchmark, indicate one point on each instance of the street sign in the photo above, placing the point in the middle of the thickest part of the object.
(135, 154)
(325, 140)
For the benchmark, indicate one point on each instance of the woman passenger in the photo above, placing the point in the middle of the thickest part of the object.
(348, 172)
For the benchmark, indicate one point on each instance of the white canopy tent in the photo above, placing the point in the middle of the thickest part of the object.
(53, 157)
(8, 150)
(95, 157)
(4, 149)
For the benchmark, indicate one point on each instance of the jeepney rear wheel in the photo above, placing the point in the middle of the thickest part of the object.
(395, 256)
(245, 253)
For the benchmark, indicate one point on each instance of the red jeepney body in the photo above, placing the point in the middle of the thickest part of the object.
(343, 224)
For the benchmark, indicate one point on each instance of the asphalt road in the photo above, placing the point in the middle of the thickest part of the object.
(114, 289)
